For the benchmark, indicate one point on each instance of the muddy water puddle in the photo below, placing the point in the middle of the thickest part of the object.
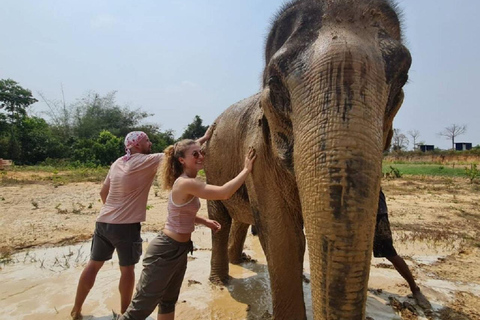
(41, 284)
(426, 248)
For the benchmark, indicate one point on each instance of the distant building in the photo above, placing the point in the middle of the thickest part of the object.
(462, 146)
(426, 147)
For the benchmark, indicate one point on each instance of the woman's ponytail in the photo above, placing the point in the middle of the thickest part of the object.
(171, 167)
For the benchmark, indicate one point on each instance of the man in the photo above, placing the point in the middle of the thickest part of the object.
(124, 195)
(383, 248)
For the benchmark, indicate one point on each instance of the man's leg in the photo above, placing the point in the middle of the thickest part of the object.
(402, 268)
(166, 316)
(85, 283)
(126, 285)
(128, 244)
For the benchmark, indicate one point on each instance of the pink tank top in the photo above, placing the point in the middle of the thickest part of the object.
(181, 218)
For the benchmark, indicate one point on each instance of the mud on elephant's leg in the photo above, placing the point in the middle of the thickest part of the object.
(236, 241)
(219, 259)
(284, 249)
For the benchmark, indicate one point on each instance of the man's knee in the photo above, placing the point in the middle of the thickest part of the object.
(127, 269)
(393, 258)
(93, 267)
(127, 272)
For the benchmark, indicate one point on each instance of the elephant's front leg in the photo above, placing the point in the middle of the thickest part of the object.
(219, 259)
(283, 241)
(236, 241)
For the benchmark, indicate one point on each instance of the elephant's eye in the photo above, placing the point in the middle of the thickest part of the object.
(274, 80)
(279, 95)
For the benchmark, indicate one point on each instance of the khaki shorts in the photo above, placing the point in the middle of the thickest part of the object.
(125, 238)
(164, 267)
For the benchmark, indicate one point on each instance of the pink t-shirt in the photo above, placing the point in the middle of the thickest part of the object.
(130, 182)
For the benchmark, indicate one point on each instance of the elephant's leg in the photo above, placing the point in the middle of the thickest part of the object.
(238, 233)
(219, 259)
(283, 242)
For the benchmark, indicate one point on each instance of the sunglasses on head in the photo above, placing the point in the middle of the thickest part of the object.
(197, 153)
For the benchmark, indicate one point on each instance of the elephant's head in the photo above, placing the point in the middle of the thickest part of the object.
(332, 85)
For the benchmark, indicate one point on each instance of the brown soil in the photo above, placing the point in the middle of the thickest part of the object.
(436, 211)
(436, 158)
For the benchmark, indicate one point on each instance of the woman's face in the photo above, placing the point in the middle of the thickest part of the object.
(193, 159)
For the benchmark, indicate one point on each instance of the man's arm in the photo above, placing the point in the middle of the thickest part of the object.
(105, 190)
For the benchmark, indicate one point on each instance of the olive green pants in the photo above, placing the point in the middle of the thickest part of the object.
(164, 267)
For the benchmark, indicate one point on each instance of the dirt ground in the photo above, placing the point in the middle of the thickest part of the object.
(436, 224)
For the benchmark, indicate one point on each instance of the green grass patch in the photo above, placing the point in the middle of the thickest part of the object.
(79, 175)
(57, 175)
(425, 169)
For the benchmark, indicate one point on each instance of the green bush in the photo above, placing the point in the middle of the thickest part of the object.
(472, 172)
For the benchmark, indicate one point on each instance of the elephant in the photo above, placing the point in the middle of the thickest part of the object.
(331, 86)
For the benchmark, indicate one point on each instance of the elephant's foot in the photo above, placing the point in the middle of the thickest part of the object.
(243, 258)
(219, 281)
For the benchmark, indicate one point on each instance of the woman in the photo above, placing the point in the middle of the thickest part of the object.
(165, 261)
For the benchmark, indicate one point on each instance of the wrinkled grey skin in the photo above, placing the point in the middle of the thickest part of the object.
(332, 84)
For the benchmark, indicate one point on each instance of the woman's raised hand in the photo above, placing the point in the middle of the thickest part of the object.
(250, 158)
(209, 132)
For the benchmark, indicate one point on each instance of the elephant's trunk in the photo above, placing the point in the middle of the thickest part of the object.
(337, 157)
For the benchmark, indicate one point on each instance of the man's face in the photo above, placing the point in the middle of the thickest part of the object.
(145, 146)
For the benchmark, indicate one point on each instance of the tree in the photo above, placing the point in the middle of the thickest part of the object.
(399, 140)
(415, 134)
(15, 100)
(94, 113)
(102, 150)
(60, 115)
(452, 132)
(37, 141)
(195, 129)
(161, 140)
(4, 136)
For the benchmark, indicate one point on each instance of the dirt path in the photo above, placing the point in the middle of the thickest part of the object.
(436, 225)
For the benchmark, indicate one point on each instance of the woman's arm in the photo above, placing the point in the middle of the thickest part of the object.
(207, 135)
(212, 224)
(211, 192)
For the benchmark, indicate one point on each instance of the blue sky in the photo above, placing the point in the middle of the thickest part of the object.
(180, 58)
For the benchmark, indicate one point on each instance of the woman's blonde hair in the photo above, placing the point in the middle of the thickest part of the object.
(171, 166)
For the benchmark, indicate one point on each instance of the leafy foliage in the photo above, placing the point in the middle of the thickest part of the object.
(94, 113)
(88, 132)
(103, 150)
(37, 141)
(195, 129)
(393, 173)
(472, 172)
(15, 99)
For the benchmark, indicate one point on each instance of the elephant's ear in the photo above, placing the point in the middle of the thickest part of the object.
(281, 29)
(295, 27)
(391, 110)
(277, 128)
(388, 139)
